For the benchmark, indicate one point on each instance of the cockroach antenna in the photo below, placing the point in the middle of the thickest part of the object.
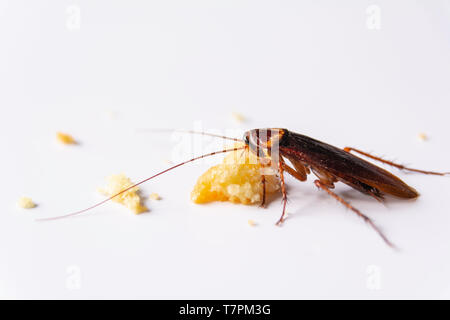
(139, 183)
(191, 132)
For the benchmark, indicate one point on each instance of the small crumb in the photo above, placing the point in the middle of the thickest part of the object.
(251, 223)
(238, 117)
(422, 136)
(65, 138)
(130, 198)
(26, 203)
(154, 196)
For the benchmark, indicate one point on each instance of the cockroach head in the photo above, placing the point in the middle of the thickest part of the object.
(263, 141)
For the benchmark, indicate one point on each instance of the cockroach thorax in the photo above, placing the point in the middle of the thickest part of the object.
(261, 140)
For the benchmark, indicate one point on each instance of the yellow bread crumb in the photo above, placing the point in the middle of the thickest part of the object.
(422, 136)
(26, 203)
(155, 196)
(238, 117)
(237, 180)
(251, 223)
(130, 199)
(65, 138)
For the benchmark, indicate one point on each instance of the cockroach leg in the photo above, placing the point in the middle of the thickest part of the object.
(263, 181)
(325, 178)
(398, 166)
(323, 186)
(300, 167)
(296, 174)
(283, 190)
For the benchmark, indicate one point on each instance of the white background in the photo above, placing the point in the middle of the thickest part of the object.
(313, 67)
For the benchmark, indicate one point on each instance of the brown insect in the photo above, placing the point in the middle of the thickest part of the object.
(330, 164)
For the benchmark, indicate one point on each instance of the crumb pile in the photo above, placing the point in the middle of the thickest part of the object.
(130, 199)
(238, 179)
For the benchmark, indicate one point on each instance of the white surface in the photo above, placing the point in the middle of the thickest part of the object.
(313, 68)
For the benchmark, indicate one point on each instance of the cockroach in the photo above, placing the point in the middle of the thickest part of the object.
(328, 163)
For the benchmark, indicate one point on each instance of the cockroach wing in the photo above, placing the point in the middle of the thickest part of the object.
(344, 166)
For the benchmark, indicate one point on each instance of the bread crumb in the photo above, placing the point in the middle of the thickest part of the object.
(65, 138)
(251, 223)
(238, 117)
(154, 196)
(422, 136)
(26, 203)
(130, 199)
(237, 179)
